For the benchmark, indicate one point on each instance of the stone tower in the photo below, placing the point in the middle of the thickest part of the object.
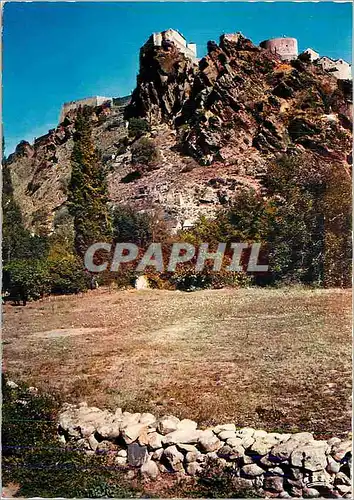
(286, 48)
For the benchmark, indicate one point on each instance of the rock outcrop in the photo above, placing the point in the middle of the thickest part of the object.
(216, 124)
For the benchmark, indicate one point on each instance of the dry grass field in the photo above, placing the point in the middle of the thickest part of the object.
(274, 359)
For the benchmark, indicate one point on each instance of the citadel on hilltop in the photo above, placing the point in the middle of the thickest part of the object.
(286, 48)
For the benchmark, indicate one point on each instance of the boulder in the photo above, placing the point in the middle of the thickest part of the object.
(110, 431)
(174, 458)
(154, 440)
(132, 432)
(282, 451)
(208, 441)
(224, 435)
(273, 483)
(147, 419)
(224, 427)
(333, 466)
(187, 436)
(157, 454)
(339, 450)
(187, 424)
(263, 444)
(149, 470)
(312, 456)
(193, 468)
(137, 455)
(234, 441)
(120, 461)
(310, 493)
(192, 456)
(187, 447)
(168, 424)
(252, 470)
(93, 442)
(129, 419)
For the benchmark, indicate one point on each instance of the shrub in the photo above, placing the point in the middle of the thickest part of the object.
(144, 152)
(217, 481)
(67, 276)
(132, 226)
(138, 127)
(31, 276)
(33, 457)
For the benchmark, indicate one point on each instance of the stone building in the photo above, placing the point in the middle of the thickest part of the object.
(312, 54)
(337, 67)
(286, 48)
(164, 38)
(87, 101)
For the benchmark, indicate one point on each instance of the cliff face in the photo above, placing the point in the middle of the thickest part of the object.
(216, 124)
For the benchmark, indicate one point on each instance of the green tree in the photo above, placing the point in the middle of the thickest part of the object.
(88, 199)
(132, 226)
(17, 241)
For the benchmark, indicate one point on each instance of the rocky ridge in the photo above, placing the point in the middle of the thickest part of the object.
(218, 125)
(271, 464)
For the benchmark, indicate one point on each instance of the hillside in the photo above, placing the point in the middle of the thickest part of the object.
(216, 126)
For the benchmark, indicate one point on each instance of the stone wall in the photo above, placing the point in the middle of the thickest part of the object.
(271, 464)
(175, 37)
(87, 101)
(338, 68)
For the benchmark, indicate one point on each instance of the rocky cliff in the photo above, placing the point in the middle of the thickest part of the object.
(216, 124)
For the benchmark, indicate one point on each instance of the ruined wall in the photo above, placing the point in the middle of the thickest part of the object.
(285, 48)
(338, 68)
(272, 464)
(87, 101)
(175, 37)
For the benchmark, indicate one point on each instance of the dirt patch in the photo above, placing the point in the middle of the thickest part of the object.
(65, 332)
(278, 359)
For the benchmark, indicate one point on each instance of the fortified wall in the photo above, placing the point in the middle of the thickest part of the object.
(165, 38)
(87, 101)
(287, 49)
(270, 464)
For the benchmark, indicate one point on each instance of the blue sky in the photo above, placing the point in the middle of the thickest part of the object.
(56, 52)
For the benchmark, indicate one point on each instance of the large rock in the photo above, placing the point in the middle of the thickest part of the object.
(339, 450)
(147, 419)
(273, 483)
(174, 458)
(252, 470)
(312, 456)
(154, 440)
(128, 419)
(224, 427)
(231, 453)
(72, 419)
(193, 468)
(209, 442)
(263, 444)
(187, 424)
(282, 451)
(168, 424)
(225, 435)
(187, 436)
(137, 455)
(150, 470)
(110, 431)
(132, 432)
